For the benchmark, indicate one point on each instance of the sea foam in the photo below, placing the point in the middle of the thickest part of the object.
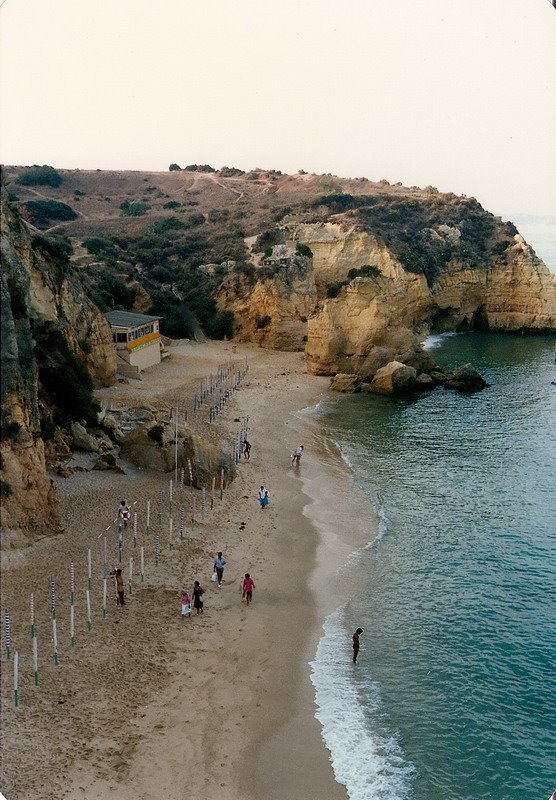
(436, 339)
(366, 758)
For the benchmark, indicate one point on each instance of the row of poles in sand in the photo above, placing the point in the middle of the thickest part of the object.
(105, 570)
(219, 387)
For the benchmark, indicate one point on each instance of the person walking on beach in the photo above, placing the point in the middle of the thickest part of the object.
(264, 497)
(119, 581)
(124, 513)
(248, 586)
(185, 603)
(296, 455)
(355, 638)
(219, 564)
(246, 450)
(198, 593)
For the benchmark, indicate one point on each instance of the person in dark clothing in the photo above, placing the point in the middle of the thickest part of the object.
(246, 450)
(198, 593)
(119, 580)
(355, 638)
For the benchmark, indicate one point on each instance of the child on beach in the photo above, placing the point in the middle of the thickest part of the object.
(198, 593)
(296, 455)
(248, 586)
(264, 497)
(246, 450)
(185, 603)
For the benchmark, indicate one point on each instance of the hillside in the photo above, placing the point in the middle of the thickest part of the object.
(291, 261)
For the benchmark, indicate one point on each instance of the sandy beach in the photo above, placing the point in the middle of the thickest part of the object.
(151, 705)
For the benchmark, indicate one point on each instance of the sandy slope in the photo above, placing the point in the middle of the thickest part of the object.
(149, 705)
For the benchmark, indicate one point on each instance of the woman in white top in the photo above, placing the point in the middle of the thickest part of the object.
(264, 497)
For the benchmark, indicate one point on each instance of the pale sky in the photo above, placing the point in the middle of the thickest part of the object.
(460, 94)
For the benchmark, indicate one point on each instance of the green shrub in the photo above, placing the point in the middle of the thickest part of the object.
(97, 246)
(229, 172)
(221, 326)
(63, 379)
(199, 168)
(11, 429)
(176, 321)
(156, 433)
(57, 248)
(40, 176)
(267, 239)
(334, 289)
(367, 271)
(86, 346)
(166, 224)
(5, 488)
(303, 250)
(218, 215)
(174, 168)
(44, 212)
(172, 204)
(113, 292)
(195, 219)
(248, 269)
(262, 322)
(135, 209)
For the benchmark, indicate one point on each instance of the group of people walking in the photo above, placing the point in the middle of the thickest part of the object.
(196, 600)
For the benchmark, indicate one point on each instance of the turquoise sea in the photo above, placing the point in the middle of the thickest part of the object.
(454, 694)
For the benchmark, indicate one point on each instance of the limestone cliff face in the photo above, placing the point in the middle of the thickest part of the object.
(273, 312)
(357, 325)
(57, 295)
(35, 289)
(29, 503)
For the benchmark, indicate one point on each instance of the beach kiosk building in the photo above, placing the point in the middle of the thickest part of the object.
(137, 340)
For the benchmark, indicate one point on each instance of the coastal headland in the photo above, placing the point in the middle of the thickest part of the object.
(148, 704)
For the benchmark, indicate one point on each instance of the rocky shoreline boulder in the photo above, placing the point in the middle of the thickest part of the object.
(465, 379)
(393, 379)
(343, 382)
(83, 440)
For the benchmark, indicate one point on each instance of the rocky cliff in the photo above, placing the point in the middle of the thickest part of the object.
(365, 298)
(42, 301)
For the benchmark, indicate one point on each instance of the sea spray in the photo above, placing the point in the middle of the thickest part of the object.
(366, 756)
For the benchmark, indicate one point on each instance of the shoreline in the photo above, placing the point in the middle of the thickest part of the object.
(333, 507)
(224, 706)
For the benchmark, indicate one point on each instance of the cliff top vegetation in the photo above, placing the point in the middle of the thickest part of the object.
(163, 242)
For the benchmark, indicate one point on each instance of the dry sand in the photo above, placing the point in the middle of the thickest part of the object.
(150, 705)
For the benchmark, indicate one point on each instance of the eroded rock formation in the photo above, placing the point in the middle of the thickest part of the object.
(359, 324)
(37, 292)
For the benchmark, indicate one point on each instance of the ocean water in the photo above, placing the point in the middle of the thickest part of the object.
(454, 693)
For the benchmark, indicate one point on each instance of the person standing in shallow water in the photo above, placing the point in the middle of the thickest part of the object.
(296, 455)
(355, 638)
